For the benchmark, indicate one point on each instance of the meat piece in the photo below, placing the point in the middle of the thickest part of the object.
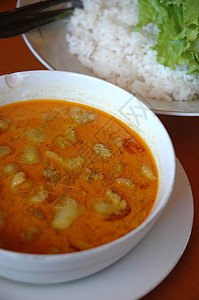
(125, 182)
(4, 126)
(36, 135)
(116, 172)
(102, 151)
(111, 204)
(67, 212)
(81, 116)
(39, 195)
(17, 180)
(92, 175)
(148, 173)
(5, 151)
(10, 169)
(30, 156)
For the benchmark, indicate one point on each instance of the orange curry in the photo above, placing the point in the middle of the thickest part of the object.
(71, 177)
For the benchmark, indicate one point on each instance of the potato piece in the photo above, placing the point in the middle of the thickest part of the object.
(148, 173)
(66, 215)
(10, 169)
(31, 234)
(5, 151)
(36, 135)
(30, 156)
(102, 151)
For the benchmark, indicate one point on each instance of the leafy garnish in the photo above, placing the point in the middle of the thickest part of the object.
(178, 36)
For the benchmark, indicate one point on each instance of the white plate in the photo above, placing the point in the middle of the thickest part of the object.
(137, 273)
(49, 46)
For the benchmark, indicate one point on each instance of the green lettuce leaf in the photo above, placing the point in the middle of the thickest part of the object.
(177, 41)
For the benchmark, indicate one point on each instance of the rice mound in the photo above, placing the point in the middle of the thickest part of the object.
(102, 37)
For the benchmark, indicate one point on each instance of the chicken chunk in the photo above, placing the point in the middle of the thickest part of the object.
(36, 135)
(5, 151)
(125, 182)
(53, 176)
(67, 212)
(69, 163)
(148, 173)
(111, 204)
(67, 139)
(39, 195)
(17, 181)
(79, 244)
(10, 169)
(102, 151)
(30, 156)
(116, 172)
(92, 175)
(81, 116)
(4, 126)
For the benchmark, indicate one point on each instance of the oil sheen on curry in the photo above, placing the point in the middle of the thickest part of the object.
(71, 177)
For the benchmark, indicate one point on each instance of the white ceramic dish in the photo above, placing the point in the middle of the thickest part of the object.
(49, 46)
(136, 274)
(112, 99)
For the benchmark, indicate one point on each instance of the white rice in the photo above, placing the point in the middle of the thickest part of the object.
(102, 37)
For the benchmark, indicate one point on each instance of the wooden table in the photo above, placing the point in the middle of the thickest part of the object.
(183, 282)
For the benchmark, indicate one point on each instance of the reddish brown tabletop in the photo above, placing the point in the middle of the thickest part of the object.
(183, 282)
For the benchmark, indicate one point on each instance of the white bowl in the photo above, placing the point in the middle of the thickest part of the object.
(87, 90)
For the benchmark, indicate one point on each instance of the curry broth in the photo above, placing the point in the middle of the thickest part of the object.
(71, 177)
